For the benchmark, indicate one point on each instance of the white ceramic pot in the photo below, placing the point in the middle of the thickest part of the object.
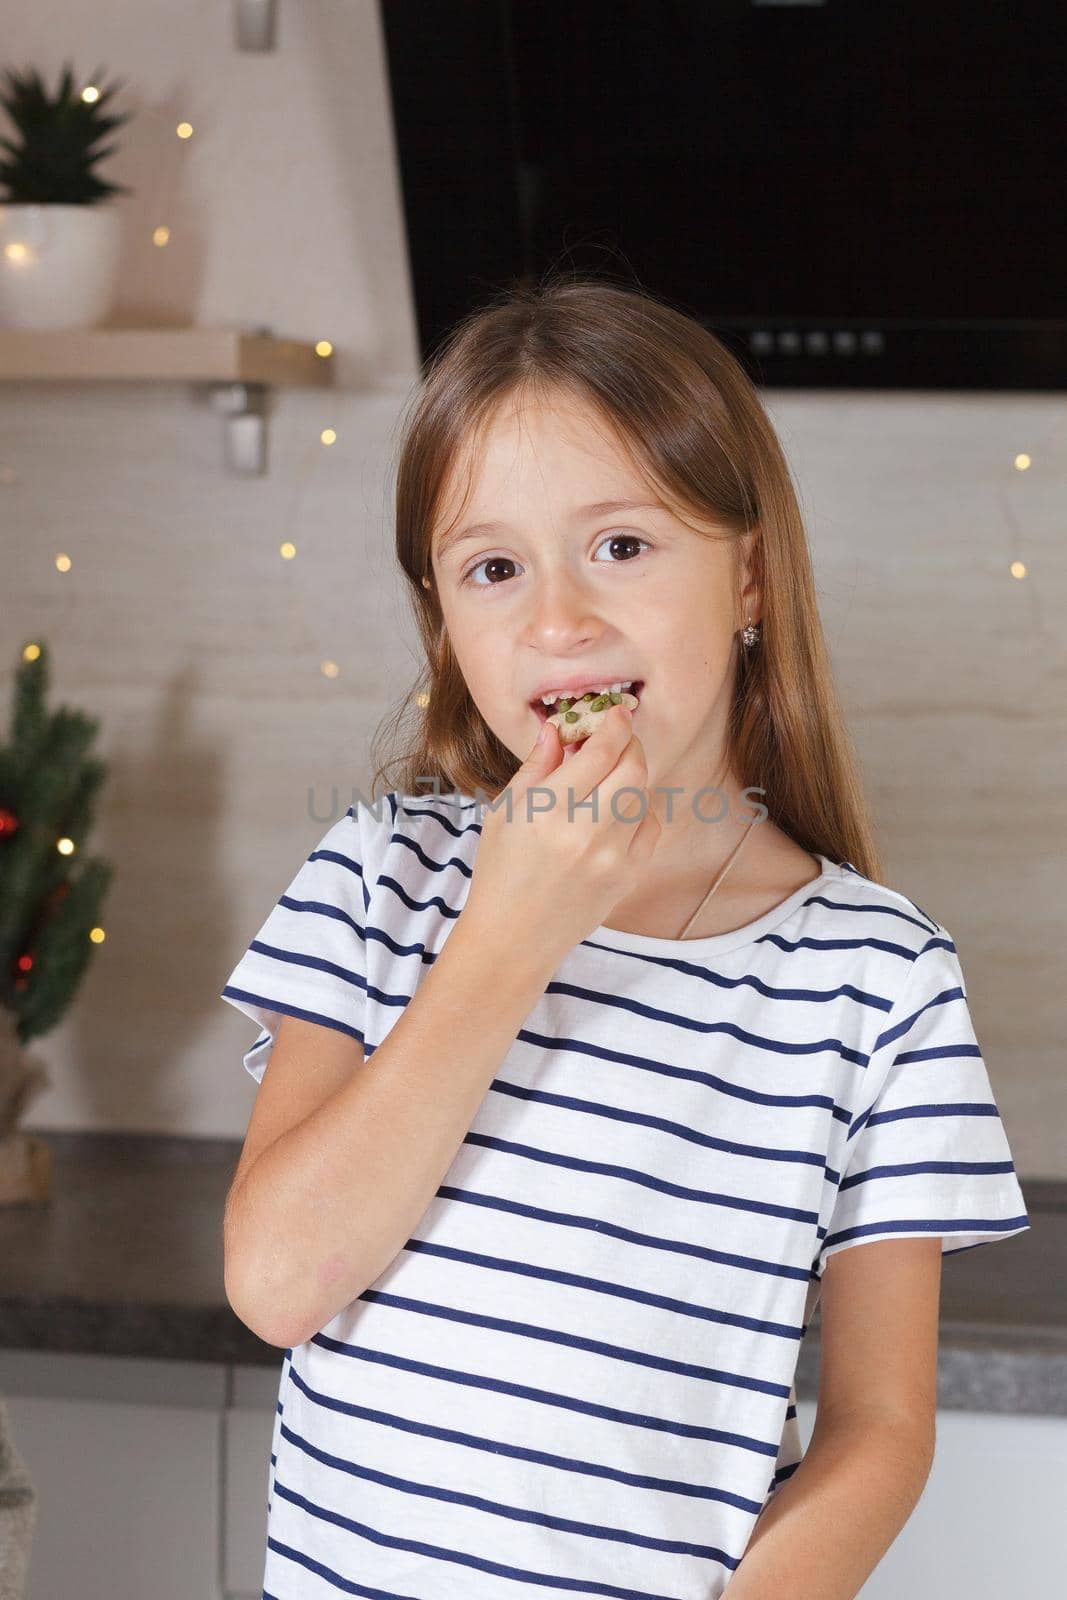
(58, 265)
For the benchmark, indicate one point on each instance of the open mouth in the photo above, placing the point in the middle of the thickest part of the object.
(544, 712)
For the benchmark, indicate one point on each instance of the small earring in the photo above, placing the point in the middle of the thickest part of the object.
(425, 583)
(750, 634)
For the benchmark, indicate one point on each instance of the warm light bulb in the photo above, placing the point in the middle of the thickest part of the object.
(31, 652)
(1022, 462)
(90, 94)
(65, 846)
(1018, 569)
(184, 130)
(324, 348)
(19, 253)
(287, 550)
(329, 669)
(63, 563)
(97, 935)
(327, 436)
(160, 235)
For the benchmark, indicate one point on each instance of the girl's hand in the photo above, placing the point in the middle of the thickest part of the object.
(544, 879)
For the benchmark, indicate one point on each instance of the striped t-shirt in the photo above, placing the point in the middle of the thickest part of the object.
(577, 1375)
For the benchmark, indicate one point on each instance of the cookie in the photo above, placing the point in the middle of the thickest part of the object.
(576, 720)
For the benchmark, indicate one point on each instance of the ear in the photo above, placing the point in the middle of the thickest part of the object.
(751, 598)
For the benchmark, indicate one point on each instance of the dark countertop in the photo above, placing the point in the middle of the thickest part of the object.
(126, 1260)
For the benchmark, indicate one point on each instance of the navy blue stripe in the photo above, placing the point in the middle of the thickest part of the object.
(426, 957)
(785, 1472)
(605, 1229)
(517, 1452)
(962, 1108)
(339, 859)
(435, 903)
(914, 1168)
(285, 1010)
(296, 958)
(456, 831)
(705, 974)
(620, 1291)
(678, 1130)
(730, 1030)
(440, 1553)
(734, 1091)
(563, 1402)
(943, 998)
(871, 908)
(944, 1225)
(322, 909)
(877, 910)
(905, 1025)
(766, 1208)
(430, 861)
(378, 810)
(814, 942)
(938, 1052)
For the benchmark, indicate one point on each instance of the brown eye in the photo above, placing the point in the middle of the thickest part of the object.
(621, 538)
(489, 561)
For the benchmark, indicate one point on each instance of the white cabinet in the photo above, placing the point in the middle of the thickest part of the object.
(988, 1524)
(249, 1426)
(151, 1476)
(151, 1481)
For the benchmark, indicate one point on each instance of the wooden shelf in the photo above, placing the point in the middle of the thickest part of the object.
(240, 369)
(161, 355)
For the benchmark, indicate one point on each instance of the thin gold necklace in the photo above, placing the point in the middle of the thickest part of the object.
(735, 852)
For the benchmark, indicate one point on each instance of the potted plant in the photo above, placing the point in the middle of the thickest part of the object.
(59, 247)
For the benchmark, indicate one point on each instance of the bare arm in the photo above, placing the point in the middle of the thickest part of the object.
(324, 1209)
(823, 1531)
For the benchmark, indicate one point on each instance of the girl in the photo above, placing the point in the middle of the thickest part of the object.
(582, 1075)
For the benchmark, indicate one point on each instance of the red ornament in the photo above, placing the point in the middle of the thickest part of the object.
(9, 823)
(55, 897)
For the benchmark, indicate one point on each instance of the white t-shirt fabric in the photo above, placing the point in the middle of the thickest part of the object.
(577, 1375)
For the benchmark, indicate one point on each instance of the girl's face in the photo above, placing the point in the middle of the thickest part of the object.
(556, 590)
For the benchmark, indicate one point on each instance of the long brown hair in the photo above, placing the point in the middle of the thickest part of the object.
(687, 413)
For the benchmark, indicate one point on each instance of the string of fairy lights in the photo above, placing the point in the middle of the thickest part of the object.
(287, 550)
(1018, 567)
(63, 561)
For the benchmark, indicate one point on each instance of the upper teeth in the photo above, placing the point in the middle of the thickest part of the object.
(604, 688)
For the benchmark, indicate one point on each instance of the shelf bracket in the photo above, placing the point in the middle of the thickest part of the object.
(245, 408)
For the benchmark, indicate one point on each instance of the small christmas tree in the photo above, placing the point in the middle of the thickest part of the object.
(50, 897)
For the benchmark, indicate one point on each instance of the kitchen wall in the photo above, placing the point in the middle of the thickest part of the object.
(180, 626)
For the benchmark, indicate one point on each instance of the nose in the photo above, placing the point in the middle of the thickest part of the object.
(563, 614)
